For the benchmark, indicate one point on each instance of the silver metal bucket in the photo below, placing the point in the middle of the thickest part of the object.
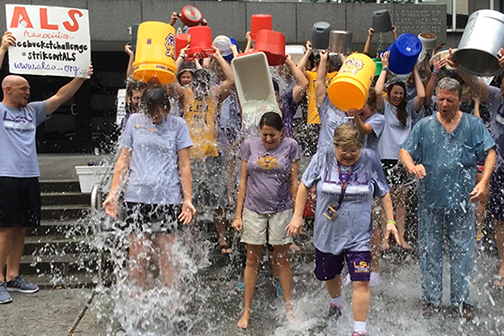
(340, 42)
(482, 39)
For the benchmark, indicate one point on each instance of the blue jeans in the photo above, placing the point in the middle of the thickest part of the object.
(460, 228)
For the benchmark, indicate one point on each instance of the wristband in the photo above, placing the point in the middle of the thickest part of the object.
(391, 222)
(183, 56)
(434, 72)
(384, 69)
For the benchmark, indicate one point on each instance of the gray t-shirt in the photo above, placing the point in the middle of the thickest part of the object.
(17, 138)
(269, 174)
(330, 118)
(449, 160)
(154, 174)
(394, 132)
(496, 108)
(351, 230)
(376, 121)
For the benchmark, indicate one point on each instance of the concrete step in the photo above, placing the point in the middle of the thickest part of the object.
(65, 198)
(60, 265)
(47, 186)
(66, 212)
(55, 227)
(54, 245)
(82, 280)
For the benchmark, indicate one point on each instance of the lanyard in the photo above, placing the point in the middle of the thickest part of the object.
(343, 183)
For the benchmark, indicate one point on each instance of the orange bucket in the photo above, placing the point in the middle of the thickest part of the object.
(155, 53)
(350, 88)
(259, 22)
(200, 38)
(271, 43)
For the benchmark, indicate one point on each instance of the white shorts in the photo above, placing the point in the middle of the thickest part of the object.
(257, 227)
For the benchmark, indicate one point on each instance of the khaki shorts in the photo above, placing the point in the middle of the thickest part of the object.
(256, 227)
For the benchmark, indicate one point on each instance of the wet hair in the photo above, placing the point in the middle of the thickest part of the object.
(450, 84)
(316, 59)
(202, 75)
(347, 134)
(271, 119)
(401, 114)
(372, 98)
(155, 98)
(276, 88)
(134, 84)
(186, 67)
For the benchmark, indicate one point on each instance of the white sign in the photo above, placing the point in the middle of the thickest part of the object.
(52, 41)
(121, 106)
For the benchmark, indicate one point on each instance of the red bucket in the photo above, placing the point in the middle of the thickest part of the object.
(311, 201)
(190, 16)
(200, 38)
(271, 43)
(181, 41)
(260, 22)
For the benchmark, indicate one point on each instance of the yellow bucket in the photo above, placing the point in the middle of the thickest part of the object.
(350, 88)
(155, 52)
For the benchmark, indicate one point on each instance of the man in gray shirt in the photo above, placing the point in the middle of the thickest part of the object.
(20, 205)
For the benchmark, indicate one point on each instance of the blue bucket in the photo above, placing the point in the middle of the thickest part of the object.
(404, 53)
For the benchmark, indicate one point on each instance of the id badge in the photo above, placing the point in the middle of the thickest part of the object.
(331, 213)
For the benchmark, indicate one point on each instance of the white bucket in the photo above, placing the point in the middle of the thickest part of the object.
(90, 175)
(296, 52)
(121, 106)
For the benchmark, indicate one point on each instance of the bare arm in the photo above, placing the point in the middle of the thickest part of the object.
(431, 84)
(181, 57)
(173, 19)
(7, 40)
(476, 111)
(302, 63)
(65, 93)
(242, 190)
(386, 202)
(248, 47)
(367, 46)
(224, 90)
(301, 81)
(380, 83)
(364, 128)
(296, 224)
(413, 169)
(419, 99)
(120, 173)
(131, 60)
(294, 180)
(394, 32)
(321, 75)
(480, 191)
(184, 165)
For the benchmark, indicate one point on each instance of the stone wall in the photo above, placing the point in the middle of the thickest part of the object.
(109, 19)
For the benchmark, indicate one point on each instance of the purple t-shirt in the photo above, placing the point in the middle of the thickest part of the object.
(269, 174)
(289, 108)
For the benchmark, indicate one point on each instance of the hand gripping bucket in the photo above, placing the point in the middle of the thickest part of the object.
(350, 88)
(404, 54)
(259, 22)
(200, 39)
(381, 21)
(155, 54)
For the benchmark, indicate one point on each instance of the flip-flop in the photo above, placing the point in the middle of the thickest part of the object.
(499, 279)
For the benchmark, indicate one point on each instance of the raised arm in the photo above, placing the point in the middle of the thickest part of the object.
(302, 63)
(65, 93)
(380, 83)
(121, 170)
(364, 128)
(367, 46)
(224, 90)
(394, 32)
(321, 75)
(248, 47)
(131, 59)
(476, 84)
(181, 57)
(7, 40)
(431, 84)
(419, 99)
(301, 81)
(173, 18)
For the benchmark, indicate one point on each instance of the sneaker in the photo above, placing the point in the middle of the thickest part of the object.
(278, 286)
(19, 284)
(360, 333)
(4, 294)
(429, 310)
(261, 281)
(334, 312)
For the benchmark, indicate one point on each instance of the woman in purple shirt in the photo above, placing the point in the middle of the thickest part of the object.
(268, 185)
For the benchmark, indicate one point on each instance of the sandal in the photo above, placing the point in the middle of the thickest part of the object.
(224, 247)
(498, 278)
